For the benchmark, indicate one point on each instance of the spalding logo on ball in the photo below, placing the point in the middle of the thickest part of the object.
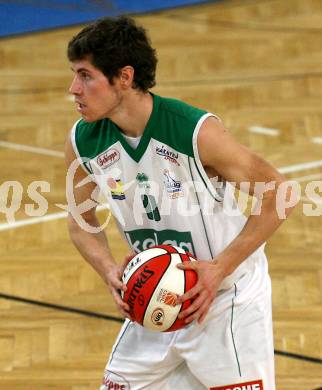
(153, 283)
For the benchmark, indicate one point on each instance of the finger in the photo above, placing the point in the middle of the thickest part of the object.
(124, 306)
(204, 311)
(197, 309)
(198, 313)
(189, 294)
(124, 313)
(203, 316)
(188, 265)
(194, 316)
(192, 308)
(119, 301)
(117, 284)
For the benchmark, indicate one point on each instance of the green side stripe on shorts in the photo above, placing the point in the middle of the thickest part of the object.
(231, 329)
(119, 340)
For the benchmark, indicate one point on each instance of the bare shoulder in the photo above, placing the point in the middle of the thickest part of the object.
(220, 151)
(214, 136)
(217, 146)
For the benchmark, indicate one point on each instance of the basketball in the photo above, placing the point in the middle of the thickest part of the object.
(153, 283)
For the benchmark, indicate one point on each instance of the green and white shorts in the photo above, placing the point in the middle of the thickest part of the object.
(231, 350)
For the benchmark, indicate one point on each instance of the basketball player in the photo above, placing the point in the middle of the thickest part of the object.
(166, 169)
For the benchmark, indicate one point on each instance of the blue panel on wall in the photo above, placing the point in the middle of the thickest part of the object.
(21, 16)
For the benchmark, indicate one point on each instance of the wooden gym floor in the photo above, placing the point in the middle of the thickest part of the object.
(257, 64)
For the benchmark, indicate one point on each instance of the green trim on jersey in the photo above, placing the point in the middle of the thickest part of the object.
(94, 138)
(184, 118)
(138, 152)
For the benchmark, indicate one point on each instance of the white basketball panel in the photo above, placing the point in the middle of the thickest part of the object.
(173, 281)
(140, 259)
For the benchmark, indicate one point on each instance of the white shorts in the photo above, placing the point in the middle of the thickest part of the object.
(231, 350)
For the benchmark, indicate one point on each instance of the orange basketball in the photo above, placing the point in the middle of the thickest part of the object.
(153, 284)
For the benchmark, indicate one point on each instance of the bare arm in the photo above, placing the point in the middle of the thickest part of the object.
(234, 162)
(92, 246)
(221, 154)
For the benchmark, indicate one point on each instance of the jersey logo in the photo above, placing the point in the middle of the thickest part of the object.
(151, 208)
(167, 154)
(172, 185)
(149, 201)
(116, 187)
(143, 180)
(141, 239)
(107, 158)
(255, 385)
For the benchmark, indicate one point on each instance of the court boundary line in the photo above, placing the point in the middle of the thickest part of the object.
(31, 149)
(287, 169)
(93, 314)
(256, 129)
(54, 306)
(45, 218)
(300, 167)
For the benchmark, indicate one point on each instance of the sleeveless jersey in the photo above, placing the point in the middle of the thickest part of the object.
(159, 192)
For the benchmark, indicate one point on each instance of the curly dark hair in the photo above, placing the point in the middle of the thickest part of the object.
(112, 43)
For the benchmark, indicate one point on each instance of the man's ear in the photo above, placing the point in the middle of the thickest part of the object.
(126, 76)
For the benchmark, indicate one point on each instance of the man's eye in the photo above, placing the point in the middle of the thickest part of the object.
(85, 76)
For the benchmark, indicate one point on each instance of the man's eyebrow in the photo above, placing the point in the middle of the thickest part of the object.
(81, 70)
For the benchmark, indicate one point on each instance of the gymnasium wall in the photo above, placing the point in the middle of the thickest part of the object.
(23, 16)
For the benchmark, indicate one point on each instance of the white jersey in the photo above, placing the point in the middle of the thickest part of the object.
(159, 191)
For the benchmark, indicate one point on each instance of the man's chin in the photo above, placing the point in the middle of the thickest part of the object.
(89, 118)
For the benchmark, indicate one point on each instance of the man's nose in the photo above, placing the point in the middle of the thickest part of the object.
(75, 87)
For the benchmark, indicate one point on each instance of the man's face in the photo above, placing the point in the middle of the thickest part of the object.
(95, 97)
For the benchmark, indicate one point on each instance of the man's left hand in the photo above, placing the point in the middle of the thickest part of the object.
(210, 275)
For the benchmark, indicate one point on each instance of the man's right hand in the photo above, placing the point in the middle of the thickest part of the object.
(114, 281)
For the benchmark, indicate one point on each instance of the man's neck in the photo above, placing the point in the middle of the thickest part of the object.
(134, 113)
